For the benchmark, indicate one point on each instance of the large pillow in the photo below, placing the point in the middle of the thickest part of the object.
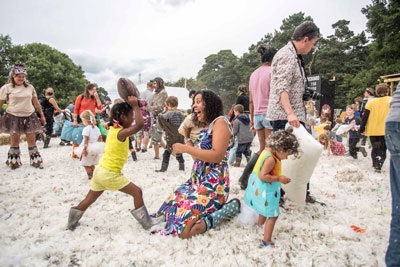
(127, 88)
(300, 170)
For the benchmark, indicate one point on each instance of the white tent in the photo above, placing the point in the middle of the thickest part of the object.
(181, 93)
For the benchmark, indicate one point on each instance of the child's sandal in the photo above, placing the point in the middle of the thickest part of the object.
(265, 244)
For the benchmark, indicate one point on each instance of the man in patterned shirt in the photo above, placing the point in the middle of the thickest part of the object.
(288, 80)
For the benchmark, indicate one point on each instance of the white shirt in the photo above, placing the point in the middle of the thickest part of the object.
(92, 132)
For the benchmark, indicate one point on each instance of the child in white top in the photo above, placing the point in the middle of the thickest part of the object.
(90, 149)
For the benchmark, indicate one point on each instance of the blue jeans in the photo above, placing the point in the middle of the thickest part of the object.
(243, 149)
(392, 138)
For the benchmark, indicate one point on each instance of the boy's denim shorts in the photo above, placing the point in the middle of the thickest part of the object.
(260, 122)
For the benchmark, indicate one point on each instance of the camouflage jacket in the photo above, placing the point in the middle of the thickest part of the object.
(158, 102)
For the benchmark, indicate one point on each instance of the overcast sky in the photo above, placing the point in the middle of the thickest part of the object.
(166, 38)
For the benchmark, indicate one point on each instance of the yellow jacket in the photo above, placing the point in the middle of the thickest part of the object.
(378, 109)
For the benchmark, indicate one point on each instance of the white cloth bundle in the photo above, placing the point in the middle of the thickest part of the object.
(343, 129)
(93, 149)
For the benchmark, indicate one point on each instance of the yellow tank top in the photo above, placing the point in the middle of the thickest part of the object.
(115, 152)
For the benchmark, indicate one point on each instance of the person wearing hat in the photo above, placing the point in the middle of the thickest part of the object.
(156, 107)
(105, 112)
(49, 105)
(20, 117)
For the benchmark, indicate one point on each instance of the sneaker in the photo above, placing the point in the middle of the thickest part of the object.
(144, 150)
(62, 143)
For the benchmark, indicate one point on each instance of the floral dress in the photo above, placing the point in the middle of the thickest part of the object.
(205, 192)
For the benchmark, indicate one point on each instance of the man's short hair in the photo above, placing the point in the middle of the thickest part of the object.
(381, 89)
(172, 101)
(306, 29)
(358, 99)
(149, 84)
(327, 127)
(239, 108)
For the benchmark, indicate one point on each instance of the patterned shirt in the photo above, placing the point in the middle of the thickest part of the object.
(287, 76)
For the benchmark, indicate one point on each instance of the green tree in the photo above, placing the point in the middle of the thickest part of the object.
(5, 47)
(282, 37)
(218, 72)
(46, 67)
(384, 50)
(191, 84)
(220, 75)
(341, 55)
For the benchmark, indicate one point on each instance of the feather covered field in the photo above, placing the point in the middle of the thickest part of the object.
(351, 230)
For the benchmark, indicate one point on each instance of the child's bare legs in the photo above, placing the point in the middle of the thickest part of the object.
(135, 192)
(261, 220)
(139, 142)
(263, 135)
(195, 227)
(156, 151)
(162, 143)
(269, 228)
(89, 171)
(90, 198)
(145, 142)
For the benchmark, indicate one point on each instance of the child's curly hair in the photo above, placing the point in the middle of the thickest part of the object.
(117, 110)
(284, 141)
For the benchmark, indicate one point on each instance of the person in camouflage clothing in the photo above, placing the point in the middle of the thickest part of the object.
(157, 106)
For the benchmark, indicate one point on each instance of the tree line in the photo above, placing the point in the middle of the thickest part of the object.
(46, 67)
(349, 60)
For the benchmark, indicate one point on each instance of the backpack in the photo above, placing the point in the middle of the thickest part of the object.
(47, 107)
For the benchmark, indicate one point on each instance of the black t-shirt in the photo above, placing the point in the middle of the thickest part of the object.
(243, 100)
(47, 107)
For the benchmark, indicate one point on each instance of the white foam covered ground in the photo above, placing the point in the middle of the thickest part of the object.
(34, 207)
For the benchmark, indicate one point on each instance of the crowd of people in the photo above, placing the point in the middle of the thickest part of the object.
(273, 104)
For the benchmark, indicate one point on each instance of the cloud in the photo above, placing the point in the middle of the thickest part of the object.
(130, 67)
(106, 72)
(173, 3)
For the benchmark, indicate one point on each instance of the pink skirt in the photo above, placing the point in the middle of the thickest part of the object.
(11, 124)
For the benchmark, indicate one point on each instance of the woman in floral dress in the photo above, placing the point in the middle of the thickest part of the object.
(201, 202)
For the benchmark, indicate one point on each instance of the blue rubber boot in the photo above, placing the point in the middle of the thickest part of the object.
(228, 211)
